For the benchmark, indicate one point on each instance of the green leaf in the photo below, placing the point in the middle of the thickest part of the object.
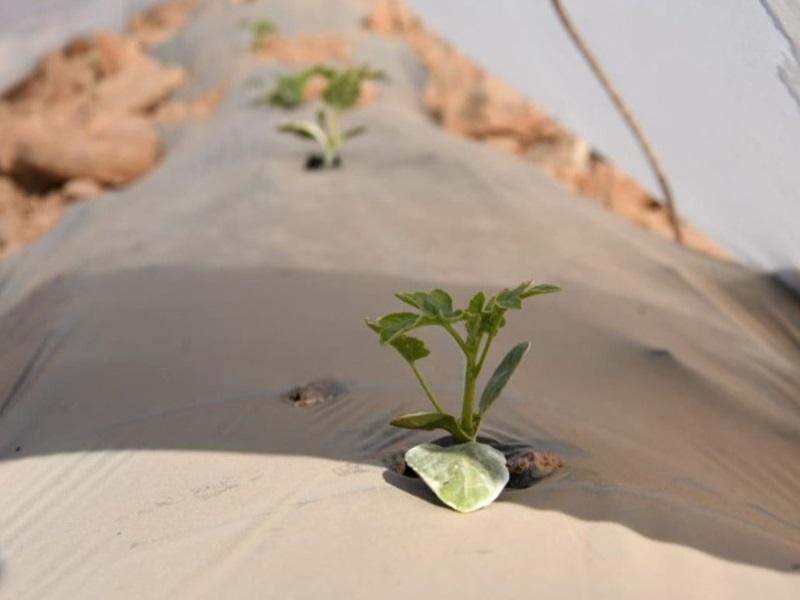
(324, 70)
(289, 90)
(349, 134)
(309, 130)
(473, 318)
(344, 87)
(411, 348)
(542, 288)
(473, 326)
(260, 29)
(302, 129)
(512, 299)
(429, 421)
(412, 298)
(493, 320)
(436, 305)
(441, 301)
(501, 375)
(465, 477)
(476, 303)
(395, 324)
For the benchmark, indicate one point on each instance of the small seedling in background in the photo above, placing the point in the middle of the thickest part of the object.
(342, 90)
(469, 475)
(260, 31)
(289, 90)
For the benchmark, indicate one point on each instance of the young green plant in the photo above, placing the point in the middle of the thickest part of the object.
(473, 329)
(343, 87)
(260, 31)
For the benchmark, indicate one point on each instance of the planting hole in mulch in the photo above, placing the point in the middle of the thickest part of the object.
(315, 392)
(525, 465)
(315, 162)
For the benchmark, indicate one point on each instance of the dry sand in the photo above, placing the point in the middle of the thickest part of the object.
(147, 449)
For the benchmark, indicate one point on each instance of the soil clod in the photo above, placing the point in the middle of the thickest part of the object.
(316, 392)
(529, 467)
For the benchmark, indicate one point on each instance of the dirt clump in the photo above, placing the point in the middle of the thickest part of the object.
(305, 49)
(526, 468)
(160, 23)
(86, 120)
(315, 392)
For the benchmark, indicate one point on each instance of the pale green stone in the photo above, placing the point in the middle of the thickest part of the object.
(465, 477)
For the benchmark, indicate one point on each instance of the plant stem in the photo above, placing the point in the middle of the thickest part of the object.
(487, 346)
(485, 351)
(467, 406)
(425, 387)
(459, 340)
(470, 375)
(335, 133)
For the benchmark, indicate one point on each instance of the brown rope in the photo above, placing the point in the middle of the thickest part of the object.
(655, 164)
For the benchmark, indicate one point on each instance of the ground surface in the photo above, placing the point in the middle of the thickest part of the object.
(146, 448)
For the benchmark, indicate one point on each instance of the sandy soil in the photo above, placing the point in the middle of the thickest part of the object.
(86, 121)
(306, 49)
(148, 449)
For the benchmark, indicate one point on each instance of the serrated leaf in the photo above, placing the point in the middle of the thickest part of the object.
(542, 288)
(411, 298)
(441, 301)
(429, 421)
(435, 305)
(512, 299)
(411, 348)
(465, 477)
(395, 324)
(501, 375)
(476, 303)
(427, 307)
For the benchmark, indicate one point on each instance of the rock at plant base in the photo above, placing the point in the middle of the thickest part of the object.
(465, 477)
(528, 467)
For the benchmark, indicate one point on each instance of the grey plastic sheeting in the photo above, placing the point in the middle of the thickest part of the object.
(715, 85)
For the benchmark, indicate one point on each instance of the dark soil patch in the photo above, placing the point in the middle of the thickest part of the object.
(317, 162)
